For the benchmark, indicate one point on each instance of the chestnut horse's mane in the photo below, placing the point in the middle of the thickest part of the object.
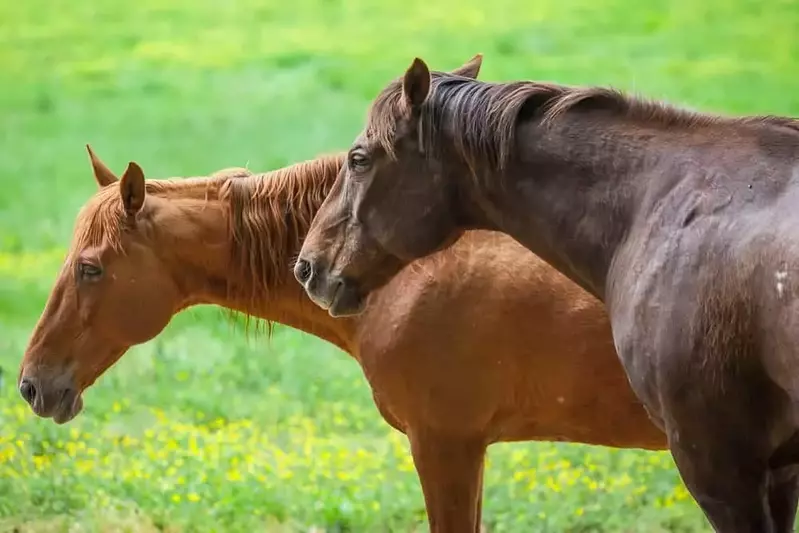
(483, 115)
(268, 215)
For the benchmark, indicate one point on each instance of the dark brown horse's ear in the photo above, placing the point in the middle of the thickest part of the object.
(416, 83)
(131, 187)
(471, 68)
(102, 174)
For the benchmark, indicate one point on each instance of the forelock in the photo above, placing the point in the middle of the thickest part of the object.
(384, 115)
(99, 221)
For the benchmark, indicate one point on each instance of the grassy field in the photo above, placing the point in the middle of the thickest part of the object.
(206, 430)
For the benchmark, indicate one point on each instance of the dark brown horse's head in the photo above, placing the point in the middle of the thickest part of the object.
(391, 203)
(113, 292)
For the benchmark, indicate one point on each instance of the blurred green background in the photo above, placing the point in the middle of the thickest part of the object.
(204, 429)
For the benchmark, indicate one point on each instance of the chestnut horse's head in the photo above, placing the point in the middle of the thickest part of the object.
(113, 291)
(391, 204)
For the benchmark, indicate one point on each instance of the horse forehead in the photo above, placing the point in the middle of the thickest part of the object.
(370, 139)
(365, 136)
(370, 134)
(98, 225)
(383, 119)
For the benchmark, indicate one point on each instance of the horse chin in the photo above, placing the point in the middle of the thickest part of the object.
(347, 302)
(69, 410)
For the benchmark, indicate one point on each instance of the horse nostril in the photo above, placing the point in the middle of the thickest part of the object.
(303, 271)
(27, 390)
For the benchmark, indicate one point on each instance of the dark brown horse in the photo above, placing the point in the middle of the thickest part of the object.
(684, 224)
(448, 347)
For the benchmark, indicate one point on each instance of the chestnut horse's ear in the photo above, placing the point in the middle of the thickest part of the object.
(416, 84)
(102, 174)
(131, 188)
(471, 68)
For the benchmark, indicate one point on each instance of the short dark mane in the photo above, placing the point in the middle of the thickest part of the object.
(484, 115)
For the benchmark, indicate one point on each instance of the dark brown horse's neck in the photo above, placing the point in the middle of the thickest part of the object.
(570, 193)
(202, 247)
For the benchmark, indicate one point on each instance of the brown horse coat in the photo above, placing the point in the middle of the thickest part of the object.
(468, 347)
(684, 224)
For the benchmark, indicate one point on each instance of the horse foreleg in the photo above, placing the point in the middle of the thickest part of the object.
(732, 492)
(783, 496)
(478, 523)
(451, 472)
(720, 443)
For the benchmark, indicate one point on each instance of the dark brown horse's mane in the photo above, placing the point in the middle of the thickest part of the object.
(268, 215)
(483, 116)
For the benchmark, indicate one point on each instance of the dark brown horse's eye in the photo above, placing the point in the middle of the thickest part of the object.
(89, 271)
(358, 161)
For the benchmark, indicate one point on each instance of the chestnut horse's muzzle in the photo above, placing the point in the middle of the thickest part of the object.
(54, 398)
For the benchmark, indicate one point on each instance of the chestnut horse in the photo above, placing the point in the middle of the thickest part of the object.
(683, 224)
(448, 347)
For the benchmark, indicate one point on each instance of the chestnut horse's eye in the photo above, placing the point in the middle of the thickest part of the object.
(89, 271)
(358, 161)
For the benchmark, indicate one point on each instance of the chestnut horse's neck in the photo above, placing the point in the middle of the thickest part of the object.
(232, 239)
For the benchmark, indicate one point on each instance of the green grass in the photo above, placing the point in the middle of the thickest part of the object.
(205, 430)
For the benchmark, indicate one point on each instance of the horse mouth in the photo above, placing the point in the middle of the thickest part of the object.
(69, 409)
(347, 301)
(65, 409)
(339, 296)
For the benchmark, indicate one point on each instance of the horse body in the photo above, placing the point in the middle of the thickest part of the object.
(683, 224)
(719, 367)
(519, 393)
(461, 349)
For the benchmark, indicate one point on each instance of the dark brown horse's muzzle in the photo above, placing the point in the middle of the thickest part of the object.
(336, 294)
